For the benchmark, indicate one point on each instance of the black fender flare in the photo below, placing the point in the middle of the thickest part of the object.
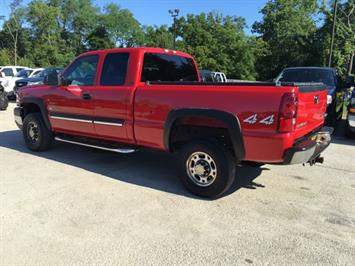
(230, 120)
(40, 103)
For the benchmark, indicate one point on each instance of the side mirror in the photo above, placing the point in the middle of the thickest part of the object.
(52, 79)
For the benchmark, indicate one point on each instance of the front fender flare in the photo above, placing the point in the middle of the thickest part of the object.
(40, 103)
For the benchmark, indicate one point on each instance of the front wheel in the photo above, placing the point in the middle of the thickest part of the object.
(206, 169)
(4, 102)
(37, 136)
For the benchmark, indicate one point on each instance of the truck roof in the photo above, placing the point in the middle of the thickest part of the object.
(144, 49)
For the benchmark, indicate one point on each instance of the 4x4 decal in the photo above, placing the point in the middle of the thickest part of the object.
(251, 119)
(268, 120)
(254, 119)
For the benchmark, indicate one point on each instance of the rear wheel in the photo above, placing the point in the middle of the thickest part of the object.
(37, 136)
(206, 169)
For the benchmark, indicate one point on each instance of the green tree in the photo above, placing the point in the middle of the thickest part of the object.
(99, 39)
(344, 41)
(123, 28)
(5, 57)
(155, 36)
(289, 29)
(48, 48)
(218, 43)
(77, 20)
(13, 26)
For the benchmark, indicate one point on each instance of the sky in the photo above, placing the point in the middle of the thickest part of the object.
(155, 12)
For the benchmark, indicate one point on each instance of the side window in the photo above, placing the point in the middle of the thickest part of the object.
(36, 73)
(8, 72)
(114, 70)
(165, 67)
(82, 72)
(19, 69)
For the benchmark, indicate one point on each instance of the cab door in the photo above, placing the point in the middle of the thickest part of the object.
(112, 98)
(71, 105)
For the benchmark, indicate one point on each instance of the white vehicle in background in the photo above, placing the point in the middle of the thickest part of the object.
(212, 76)
(10, 71)
(8, 82)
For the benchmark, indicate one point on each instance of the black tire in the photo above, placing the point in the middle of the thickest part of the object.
(4, 102)
(332, 118)
(348, 132)
(37, 136)
(223, 167)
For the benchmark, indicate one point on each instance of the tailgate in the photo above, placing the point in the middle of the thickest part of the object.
(312, 105)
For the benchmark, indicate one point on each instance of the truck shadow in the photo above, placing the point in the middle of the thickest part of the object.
(155, 170)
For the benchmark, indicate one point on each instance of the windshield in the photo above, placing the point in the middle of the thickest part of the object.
(24, 73)
(307, 75)
(47, 71)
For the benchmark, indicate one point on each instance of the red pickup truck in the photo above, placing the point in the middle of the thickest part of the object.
(125, 99)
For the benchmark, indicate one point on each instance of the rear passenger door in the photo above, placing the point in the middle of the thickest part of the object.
(112, 98)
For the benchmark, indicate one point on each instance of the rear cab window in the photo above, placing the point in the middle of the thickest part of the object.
(114, 69)
(166, 67)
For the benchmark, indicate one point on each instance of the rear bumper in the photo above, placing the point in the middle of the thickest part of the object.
(18, 114)
(310, 148)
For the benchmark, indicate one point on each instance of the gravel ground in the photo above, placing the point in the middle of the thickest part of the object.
(78, 206)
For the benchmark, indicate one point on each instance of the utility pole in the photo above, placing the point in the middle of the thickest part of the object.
(333, 32)
(174, 14)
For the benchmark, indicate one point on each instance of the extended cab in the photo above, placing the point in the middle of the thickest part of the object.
(125, 99)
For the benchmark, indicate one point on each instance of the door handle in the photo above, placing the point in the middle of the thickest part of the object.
(86, 96)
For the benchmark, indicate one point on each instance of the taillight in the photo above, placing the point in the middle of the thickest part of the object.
(288, 112)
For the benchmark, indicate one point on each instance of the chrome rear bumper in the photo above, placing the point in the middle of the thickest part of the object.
(309, 149)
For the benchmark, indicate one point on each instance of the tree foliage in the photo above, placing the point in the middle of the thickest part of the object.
(218, 43)
(344, 43)
(289, 29)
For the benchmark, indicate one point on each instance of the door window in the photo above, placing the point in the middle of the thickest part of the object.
(114, 69)
(82, 72)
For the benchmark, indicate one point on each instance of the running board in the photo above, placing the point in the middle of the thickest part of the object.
(96, 147)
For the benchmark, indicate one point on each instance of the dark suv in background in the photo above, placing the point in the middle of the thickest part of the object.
(329, 77)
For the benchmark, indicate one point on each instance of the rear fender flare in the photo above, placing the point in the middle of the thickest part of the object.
(230, 120)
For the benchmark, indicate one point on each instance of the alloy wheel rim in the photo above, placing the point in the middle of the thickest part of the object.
(33, 132)
(201, 169)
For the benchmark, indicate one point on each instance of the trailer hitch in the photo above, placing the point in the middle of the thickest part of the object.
(315, 160)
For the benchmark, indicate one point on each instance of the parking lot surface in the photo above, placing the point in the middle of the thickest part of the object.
(75, 205)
